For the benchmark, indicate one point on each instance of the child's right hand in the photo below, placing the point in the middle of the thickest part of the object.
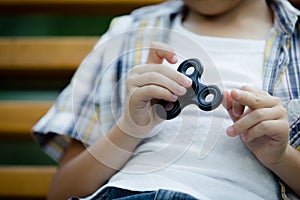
(147, 83)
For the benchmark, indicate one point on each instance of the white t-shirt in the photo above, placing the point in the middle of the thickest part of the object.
(192, 152)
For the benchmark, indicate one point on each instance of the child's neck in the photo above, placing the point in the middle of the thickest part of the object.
(249, 20)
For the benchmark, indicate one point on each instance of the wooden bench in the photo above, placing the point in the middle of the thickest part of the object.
(70, 6)
(54, 57)
(34, 58)
(28, 182)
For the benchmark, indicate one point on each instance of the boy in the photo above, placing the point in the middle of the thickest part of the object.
(251, 42)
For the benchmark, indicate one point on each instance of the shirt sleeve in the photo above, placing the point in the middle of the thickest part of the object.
(76, 112)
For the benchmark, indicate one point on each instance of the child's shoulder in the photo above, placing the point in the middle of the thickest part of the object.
(124, 23)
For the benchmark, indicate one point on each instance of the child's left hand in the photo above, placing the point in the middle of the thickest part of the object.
(261, 122)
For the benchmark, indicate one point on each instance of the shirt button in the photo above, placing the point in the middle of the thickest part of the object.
(281, 58)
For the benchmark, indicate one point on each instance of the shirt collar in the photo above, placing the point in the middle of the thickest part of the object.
(286, 15)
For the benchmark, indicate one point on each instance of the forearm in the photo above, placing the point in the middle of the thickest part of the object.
(88, 171)
(289, 169)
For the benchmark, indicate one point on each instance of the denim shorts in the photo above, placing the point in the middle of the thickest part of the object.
(122, 194)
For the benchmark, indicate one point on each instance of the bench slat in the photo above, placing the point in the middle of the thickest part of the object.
(99, 7)
(77, 2)
(44, 53)
(17, 118)
(25, 181)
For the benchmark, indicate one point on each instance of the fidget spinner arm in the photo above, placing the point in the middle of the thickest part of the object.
(197, 94)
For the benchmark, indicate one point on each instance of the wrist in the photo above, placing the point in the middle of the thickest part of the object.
(132, 129)
(288, 169)
(283, 160)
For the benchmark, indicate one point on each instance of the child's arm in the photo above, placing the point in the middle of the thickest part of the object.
(264, 129)
(83, 170)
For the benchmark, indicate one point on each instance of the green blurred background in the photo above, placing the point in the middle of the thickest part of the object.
(53, 25)
(26, 152)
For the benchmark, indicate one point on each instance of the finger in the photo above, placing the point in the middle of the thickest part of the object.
(253, 90)
(164, 70)
(254, 100)
(149, 92)
(160, 51)
(272, 128)
(154, 78)
(252, 118)
(227, 100)
(228, 105)
(238, 109)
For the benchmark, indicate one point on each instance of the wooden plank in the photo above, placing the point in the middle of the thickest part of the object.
(73, 6)
(18, 117)
(25, 181)
(44, 53)
(79, 2)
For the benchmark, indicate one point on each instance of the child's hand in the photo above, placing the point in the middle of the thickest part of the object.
(149, 82)
(263, 126)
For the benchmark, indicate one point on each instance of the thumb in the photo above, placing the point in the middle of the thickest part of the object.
(160, 51)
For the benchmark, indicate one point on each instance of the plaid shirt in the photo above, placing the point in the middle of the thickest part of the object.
(86, 109)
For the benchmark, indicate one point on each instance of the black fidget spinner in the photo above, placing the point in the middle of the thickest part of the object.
(205, 97)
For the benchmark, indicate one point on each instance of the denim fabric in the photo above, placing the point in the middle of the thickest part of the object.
(122, 194)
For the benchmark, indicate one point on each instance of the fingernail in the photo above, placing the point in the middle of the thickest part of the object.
(174, 58)
(238, 94)
(230, 131)
(174, 97)
(187, 81)
(244, 137)
(236, 113)
(181, 89)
